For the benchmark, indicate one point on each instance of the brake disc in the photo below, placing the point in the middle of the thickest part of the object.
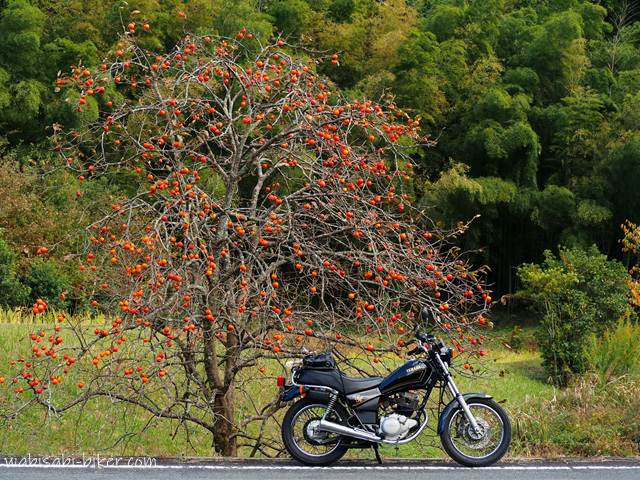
(472, 439)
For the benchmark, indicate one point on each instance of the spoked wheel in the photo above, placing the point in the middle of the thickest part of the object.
(477, 448)
(304, 441)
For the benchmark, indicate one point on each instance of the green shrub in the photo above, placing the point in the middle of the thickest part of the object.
(614, 353)
(341, 10)
(12, 291)
(515, 338)
(46, 280)
(580, 293)
(290, 17)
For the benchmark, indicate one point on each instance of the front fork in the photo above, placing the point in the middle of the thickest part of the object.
(458, 396)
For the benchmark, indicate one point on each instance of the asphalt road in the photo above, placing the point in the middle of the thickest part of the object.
(196, 470)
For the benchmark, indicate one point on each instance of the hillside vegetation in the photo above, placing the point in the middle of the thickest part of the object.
(534, 105)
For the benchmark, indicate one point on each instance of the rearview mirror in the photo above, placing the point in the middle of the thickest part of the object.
(425, 315)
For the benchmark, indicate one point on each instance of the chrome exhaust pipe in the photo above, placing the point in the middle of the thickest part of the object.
(333, 427)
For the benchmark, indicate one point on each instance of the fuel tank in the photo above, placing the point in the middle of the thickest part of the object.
(414, 374)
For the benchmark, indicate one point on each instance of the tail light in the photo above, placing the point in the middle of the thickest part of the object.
(280, 381)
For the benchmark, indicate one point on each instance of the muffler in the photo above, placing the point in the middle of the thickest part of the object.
(332, 427)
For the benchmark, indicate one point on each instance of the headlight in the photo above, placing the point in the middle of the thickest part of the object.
(447, 354)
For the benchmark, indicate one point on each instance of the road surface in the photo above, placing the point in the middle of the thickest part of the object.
(105, 469)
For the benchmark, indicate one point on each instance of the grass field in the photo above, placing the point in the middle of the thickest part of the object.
(585, 419)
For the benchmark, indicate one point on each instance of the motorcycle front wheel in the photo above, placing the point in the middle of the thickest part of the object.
(477, 449)
(304, 441)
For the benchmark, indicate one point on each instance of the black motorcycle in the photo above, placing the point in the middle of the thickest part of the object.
(335, 412)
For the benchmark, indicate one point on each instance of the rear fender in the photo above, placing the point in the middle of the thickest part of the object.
(318, 395)
(453, 404)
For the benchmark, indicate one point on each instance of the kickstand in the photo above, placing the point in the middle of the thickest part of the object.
(375, 449)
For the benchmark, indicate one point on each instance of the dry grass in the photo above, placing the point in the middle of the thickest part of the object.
(24, 316)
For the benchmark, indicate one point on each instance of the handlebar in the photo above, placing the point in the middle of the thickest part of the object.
(434, 346)
(427, 339)
(414, 351)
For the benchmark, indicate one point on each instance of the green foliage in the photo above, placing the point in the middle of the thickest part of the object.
(443, 20)
(368, 44)
(455, 194)
(62, 52)
(47, 281)
(418, 78)
(26, 102)
(290, 17)
(555, 209)
(540, 99)
(66, 110)
(509, 152)
(623, 171)
(341, 10)
(580, 293)
(592, 214)
(235, 15)
(21, 91)
(614, 353)
(12, 291)
(515, 338)
(43, 210)
(558, 53)
(21, 27)
(593, 20)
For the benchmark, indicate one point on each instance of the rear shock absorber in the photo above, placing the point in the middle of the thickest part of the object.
(332, 401)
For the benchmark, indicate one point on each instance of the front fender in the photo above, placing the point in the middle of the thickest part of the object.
(454, 404)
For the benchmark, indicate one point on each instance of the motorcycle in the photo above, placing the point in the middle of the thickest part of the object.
(334, 412)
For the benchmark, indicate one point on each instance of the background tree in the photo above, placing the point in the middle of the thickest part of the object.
(535, 103)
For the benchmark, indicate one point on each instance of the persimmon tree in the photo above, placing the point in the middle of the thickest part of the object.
(266, 215)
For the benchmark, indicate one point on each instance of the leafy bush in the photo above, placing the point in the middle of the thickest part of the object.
(12, 291)
(515, 338)
(46, 280)
(614, 354)
(580, 293)
(341, 10)
(290, 17)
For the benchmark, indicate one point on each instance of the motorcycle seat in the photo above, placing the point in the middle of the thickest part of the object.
(338, 381)
(355, 384)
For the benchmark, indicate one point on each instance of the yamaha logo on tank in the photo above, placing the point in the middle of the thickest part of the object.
(420, 366)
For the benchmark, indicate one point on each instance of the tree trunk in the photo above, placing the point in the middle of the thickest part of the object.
(224, 439)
